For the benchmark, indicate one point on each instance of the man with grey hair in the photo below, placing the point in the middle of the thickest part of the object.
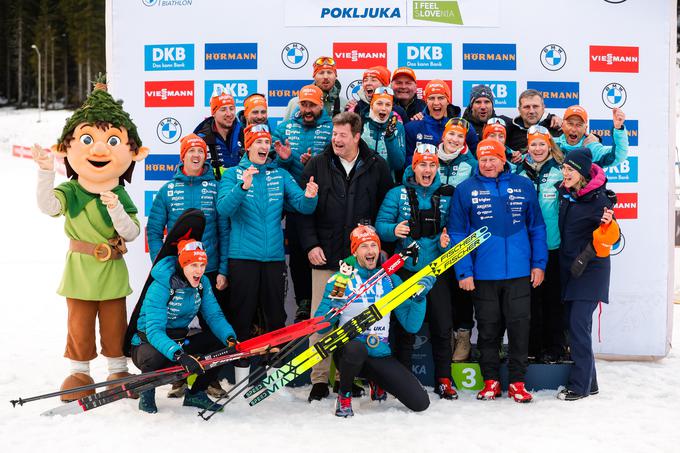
(353, 180)
(531, 112)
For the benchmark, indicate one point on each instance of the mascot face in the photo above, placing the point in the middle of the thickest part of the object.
(345, 269)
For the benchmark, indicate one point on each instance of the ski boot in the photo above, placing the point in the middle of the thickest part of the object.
(445, 390)
(319, 391)
(377, 393)
(343, 406)
(517, 391)
(568, 395)
(147, 401)
(215, 390)
(200, 400)
(491, 390)
(303, 311)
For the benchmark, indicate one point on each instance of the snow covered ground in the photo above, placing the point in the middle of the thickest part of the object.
(636, 411)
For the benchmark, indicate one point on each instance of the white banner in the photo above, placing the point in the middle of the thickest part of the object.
(166, 57)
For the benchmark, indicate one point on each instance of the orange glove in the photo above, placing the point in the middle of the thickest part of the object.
(604, 237)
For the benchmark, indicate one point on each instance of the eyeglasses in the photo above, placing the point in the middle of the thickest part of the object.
(536, 129)
(496, 120)
(196, 245)
(458, 122)
(426, 148)
(321, 61)
(384, 90)
(258, 128)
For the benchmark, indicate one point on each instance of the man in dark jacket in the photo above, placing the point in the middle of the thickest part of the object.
(479, 109)
(353, 181)
(531, 112)
(221, 132)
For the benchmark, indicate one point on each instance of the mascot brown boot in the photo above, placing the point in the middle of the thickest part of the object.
(76, 380)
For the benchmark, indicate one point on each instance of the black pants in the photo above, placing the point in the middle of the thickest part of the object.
(256, 283)
(147, 358)
(462, 305)
(387, 372)
(548, 323)
(499, 302)
(438, 316)
(300, 269)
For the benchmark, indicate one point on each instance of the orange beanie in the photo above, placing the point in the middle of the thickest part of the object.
(218, 101)
(191, 141)
(191, 251)
(491, 147)
(362, 234)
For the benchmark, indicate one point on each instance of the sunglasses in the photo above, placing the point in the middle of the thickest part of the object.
(536, 129)
(191, 246)
(458, 122)
(496, 120)
(384, 90)
(259, 128)
(323, 61)
(426, 148)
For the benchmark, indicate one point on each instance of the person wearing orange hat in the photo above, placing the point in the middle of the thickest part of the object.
(406, 93)
(575, 125)
(505, 267)
(588, 230)
(372, 78)
(418, 211)
(430, 128)
(253, 195)
(222, 133)
(193, 186)
(370, 355)
(325, 76)
(496, 128)
(547, 341)
(303, 136)
(383, 130)
(179, 292)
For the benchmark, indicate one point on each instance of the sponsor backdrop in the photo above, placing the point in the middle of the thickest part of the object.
(166, 71)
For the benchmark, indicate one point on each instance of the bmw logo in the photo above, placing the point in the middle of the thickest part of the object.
(149, 2)
(352, 91)
(553, 57)
(614, 95)
(169, 130)
(294, 55)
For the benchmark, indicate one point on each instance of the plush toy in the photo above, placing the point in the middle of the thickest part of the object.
(100, 146)
(347, 268)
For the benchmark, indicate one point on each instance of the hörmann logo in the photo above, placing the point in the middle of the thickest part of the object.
(168, 57)
(359, 55)
(173, 93)
(603, 128)
(160, 167)
(490, 56)
(231, 55)
(614, 59)
(360, 13)
(425, 55)
(557, 94)
(279, 92)
(504, 91)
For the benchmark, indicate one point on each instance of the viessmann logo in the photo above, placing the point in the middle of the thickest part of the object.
(358, 55)
(614, 59)
(174, 93)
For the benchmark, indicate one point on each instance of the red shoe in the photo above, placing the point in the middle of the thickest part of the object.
(377, 392)
(444, 390)
(519, 393)
(491, 390)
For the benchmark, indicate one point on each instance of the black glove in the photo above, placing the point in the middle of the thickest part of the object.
(581, 261)
(190, 363)
(391, 126)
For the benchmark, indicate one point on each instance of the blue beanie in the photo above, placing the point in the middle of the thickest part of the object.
(581, 160)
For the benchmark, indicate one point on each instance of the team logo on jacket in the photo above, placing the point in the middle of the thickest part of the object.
(603, 128)
(169, 130)
(553, 57)
(173, 93)
(279, 92)
(614, 59)
(352, 91)
(614, 95)
(231, 55)
(359, 55)
(168, 57)
(490, 56)
(557, 94)
(425, 55)
(294, 55)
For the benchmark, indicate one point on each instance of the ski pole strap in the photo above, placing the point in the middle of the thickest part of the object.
(393, 264)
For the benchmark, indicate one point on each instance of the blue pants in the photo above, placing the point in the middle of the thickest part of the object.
(580, 319)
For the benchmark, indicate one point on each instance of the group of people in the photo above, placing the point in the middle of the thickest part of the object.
(370, 177)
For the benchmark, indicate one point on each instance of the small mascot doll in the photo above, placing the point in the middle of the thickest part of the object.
(100, 146)
(347, 268)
